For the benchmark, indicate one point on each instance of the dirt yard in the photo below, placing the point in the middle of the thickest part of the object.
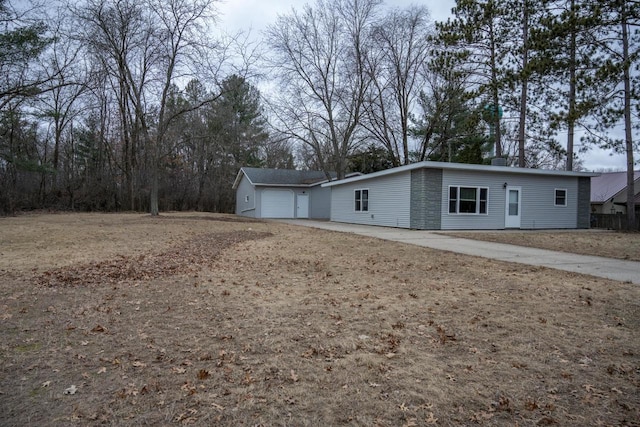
(200, 319)
(608, 244)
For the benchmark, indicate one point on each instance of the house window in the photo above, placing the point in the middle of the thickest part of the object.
(561, 197)
(362, 200)
(468, 200)
(246, 199)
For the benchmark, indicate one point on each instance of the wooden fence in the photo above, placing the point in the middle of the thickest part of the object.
(612, 221)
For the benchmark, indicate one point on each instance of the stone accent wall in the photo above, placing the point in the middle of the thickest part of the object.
(584, 203)
(426, 199)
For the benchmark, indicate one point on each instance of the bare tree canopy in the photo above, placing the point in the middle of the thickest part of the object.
(401, 46)
(319, 54)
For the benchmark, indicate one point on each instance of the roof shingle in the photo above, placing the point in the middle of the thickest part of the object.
(607, 185)
(262, 176)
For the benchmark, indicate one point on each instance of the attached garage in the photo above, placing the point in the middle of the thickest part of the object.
(282, 193)
(278, 204)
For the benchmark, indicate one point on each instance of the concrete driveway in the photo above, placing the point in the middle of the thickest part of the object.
(608, 268)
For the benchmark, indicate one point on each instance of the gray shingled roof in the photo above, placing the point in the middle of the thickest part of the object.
(261, 176)
(607, 185)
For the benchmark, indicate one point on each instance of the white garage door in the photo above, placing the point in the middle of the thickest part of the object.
(277, 204)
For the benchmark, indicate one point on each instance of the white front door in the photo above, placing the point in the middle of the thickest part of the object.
(302, 207)
(512, 208)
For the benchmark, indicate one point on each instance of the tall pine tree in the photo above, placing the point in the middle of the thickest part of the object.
(617, 72)
(566, 61)
(481, 37)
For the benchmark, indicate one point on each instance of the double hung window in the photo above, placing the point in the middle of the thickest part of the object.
(561, 197)
(362, 200)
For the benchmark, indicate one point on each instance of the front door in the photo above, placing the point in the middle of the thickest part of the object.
(303, 206)
(512, 208)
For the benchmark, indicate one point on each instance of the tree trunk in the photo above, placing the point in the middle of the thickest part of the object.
(153, 201)
(495, 114)
(154, 194)
(631, 211)
(496, 123)
(525, 81)
(572, 90)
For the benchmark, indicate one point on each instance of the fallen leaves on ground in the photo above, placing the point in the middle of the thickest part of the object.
(191, 256)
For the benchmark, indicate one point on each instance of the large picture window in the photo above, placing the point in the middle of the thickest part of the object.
(468, 200)
(362, 200)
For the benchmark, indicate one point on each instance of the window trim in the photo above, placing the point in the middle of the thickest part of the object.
(555, 197)
(360, 200)
(478, 200)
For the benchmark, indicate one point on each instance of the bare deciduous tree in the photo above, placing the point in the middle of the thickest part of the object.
(145, 46)
(401, 48)
(319, 59)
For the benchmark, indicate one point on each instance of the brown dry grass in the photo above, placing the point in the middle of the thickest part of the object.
(258, 323)
(608, 244)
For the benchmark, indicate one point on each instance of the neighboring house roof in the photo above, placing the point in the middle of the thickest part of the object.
(281, 177)
(608, 185)
(461, 166)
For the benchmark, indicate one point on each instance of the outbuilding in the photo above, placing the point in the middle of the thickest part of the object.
(609, 193)
(281, 193)
(453, 196)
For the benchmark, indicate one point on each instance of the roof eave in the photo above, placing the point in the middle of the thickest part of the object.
(460, 166)
(266, 184)
(236, 182)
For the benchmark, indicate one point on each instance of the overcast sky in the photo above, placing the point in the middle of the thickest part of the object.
(256, 15)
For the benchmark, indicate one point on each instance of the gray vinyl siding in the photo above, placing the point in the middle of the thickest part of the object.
(537, 194)
(494, 219)
(319, 202)
(538, 204)
(389, 201)
(246, 208)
